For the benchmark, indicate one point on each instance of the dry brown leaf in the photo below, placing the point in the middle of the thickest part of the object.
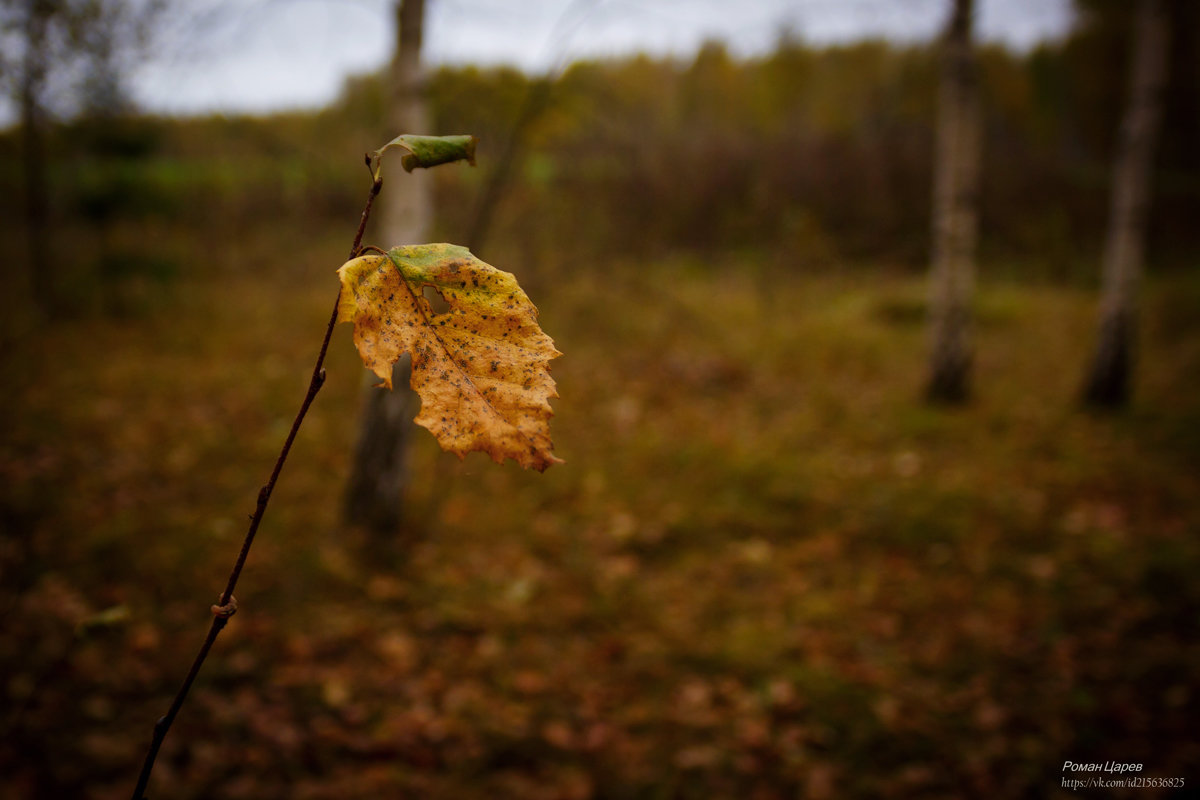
(481, 368)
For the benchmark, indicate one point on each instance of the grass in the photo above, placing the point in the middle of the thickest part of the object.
(765, 570)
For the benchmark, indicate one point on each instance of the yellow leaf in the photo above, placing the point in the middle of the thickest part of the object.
(481, 368)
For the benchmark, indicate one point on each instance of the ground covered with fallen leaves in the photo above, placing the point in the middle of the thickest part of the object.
(764, 571)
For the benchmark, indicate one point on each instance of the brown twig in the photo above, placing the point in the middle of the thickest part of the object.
(227, 605)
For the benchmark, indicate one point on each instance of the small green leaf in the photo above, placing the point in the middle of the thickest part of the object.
(108, 618)
(427, 151)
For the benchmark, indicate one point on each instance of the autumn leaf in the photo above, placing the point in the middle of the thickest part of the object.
(426, 151)
(481, 367)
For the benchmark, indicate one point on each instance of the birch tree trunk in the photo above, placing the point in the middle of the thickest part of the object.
(374, 492)
(1107, 384)
(956, 183)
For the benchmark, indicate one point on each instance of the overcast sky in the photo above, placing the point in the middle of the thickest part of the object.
(263, 55)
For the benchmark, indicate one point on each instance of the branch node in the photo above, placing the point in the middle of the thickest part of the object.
(226, 611)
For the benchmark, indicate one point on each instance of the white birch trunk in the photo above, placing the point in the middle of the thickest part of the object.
(1108, 380)
(374, 492)
(956, 182)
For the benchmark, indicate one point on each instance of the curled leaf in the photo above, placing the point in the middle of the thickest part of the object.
(427, 151)
(481, 368)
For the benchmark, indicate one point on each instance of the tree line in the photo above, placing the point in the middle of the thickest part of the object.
(814, 157)
(826, 151)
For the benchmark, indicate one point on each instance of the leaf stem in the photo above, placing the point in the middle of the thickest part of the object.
(226, 606)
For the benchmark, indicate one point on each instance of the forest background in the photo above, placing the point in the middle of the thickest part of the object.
(767, 568)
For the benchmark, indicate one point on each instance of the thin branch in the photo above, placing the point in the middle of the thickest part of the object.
(227, 605)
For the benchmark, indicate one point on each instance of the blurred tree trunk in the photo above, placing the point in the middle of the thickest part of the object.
(53, 52)
(956, 184)
(33, 146)
(374, 493)
(1108, 379)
